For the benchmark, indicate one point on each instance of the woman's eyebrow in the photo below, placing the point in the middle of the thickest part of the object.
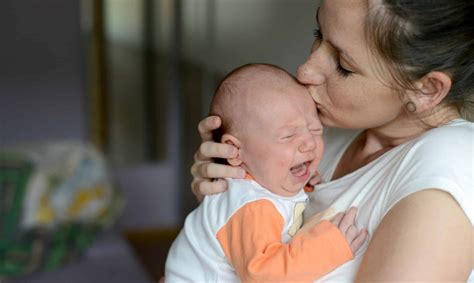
(338, 49)
(346, 56)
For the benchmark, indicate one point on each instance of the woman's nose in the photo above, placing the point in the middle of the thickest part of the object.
(310, 72)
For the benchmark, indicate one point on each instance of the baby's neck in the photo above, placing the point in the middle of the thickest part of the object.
(308, 188)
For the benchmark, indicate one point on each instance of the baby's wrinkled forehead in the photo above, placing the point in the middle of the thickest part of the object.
(251, 94)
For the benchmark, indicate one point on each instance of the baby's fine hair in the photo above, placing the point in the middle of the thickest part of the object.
(232, 84)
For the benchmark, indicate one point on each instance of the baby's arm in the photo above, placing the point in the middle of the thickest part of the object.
(345, 223)
(251, 240)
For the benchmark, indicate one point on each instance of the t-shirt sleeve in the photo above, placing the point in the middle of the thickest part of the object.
(252, 243)
(443, 161)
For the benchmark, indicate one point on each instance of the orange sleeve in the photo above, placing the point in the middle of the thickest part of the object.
(252, 242)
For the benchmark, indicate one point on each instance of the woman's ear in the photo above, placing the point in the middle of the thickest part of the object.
(232, 140)
(430, 91)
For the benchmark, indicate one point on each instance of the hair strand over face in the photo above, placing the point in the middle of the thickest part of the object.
(411, 38)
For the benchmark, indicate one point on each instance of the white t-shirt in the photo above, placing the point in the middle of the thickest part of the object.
(199, 252)
(441, 158)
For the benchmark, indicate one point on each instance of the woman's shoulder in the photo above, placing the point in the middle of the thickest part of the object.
(458, 127)
(446, 148)
(456, 136)
(441, 159)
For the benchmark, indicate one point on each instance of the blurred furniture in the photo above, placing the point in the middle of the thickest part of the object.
(57, 206)
(109, 259)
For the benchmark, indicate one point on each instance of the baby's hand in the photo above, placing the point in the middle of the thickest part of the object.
(345, 223)
(315, 179)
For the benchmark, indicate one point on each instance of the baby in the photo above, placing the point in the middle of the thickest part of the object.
(252, 231)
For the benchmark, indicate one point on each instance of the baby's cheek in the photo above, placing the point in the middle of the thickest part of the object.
(283, 161)
(283, 164)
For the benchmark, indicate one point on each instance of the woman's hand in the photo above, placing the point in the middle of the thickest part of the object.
(207, 175)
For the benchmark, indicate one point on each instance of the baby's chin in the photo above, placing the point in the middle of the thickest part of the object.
(288, 187)
(294, 181)
(298, 177)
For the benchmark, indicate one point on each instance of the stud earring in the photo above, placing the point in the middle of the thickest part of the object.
(411, 107)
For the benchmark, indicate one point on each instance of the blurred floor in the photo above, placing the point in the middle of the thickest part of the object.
(151, 247)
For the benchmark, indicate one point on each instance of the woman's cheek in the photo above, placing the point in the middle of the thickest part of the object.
(335, 93)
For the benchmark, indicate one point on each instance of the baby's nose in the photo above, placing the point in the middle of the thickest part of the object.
(308, 144)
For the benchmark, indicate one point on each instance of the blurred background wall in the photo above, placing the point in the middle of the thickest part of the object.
(135, 77)
(41, 81)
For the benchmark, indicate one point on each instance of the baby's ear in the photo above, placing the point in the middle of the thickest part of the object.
(232, 140)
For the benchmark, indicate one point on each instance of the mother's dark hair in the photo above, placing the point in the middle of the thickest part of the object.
(416, 37)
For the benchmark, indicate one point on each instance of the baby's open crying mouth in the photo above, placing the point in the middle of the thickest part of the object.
(299, 170)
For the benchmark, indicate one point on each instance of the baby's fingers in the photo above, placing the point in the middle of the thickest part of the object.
(316, 179)
(336, 220)
(359, 240)
(348, 220)
(351, 234)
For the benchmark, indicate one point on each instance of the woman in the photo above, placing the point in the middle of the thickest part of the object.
(402, 71)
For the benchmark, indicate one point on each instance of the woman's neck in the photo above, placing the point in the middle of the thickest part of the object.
(407, 128)
(372, 143)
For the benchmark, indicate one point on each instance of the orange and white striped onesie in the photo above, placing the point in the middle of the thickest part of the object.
(250, 233)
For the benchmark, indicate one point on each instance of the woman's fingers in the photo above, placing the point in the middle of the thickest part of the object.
(202, 187)
(204, 170)
(203, 174)
(209, 150)
(208, 170)
(207, 125)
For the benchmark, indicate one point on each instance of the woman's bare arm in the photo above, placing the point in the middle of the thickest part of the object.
(207, 175)
(425, 237)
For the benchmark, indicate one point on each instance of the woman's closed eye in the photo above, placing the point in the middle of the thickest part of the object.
(343, 72)
(339, 68)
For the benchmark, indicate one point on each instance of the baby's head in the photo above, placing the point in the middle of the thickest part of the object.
(273, 121)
